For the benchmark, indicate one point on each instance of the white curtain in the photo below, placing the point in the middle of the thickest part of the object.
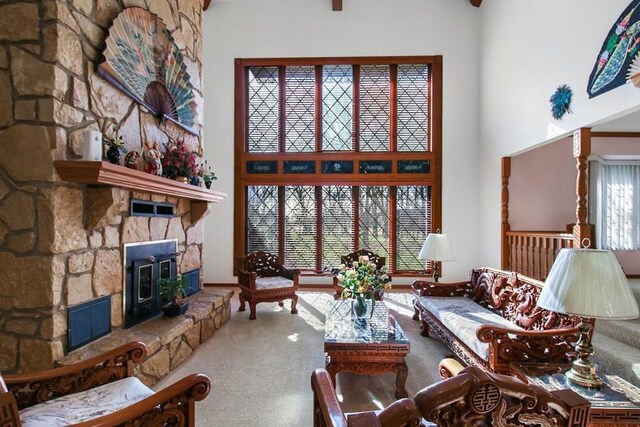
(615, 204)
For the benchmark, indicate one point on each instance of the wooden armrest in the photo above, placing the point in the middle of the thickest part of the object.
(486, 333)
(37, 387)
(403, 412)
(326, 404)
(290, 273)
(179, 396)
(247, 278)
(425, 288)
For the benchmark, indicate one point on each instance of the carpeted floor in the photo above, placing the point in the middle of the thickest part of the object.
(260, 370)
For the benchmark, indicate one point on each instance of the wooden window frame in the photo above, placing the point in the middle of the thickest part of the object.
(393, 179)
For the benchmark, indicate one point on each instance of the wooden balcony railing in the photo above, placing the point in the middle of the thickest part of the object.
(532, 252)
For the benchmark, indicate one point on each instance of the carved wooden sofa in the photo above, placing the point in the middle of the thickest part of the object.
(492, 320)
(100, 391)
(263, 278)
(348, 260)
(471, 398)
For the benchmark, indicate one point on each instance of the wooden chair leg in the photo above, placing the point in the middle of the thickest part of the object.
(294, 304)
(281, 303)
(242, 301)
(252, 307)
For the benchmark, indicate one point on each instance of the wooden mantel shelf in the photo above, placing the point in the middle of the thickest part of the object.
(104, 173)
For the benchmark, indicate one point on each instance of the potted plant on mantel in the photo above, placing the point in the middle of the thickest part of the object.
(172, 290)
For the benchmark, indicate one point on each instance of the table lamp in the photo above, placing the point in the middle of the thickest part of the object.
(437, 248)
(588, 283)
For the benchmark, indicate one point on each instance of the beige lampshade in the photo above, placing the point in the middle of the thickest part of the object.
(588, 283)
(437, 247)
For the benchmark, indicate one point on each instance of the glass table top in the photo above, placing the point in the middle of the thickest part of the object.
(341, 325)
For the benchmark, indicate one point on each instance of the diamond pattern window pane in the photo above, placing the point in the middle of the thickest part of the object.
(374, 219)
(300, 227)
(374, 108)
(413, 107)
(264, 110)
(262, 219)
(413, 222)
(300, 109)
(337, 107)
(337, 224)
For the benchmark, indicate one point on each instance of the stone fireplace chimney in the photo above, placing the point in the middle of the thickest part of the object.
(61, 243)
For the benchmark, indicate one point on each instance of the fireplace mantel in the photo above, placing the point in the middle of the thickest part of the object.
(104, 173)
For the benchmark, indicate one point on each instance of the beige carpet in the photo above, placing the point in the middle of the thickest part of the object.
(261, 369)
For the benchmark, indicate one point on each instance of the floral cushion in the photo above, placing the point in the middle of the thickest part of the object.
(463, 317)
(86, 405)
(274, 282)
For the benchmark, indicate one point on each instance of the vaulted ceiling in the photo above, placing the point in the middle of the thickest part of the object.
(337, 4)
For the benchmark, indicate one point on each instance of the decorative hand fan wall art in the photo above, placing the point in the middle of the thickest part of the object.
(142, 60)
(618, 61)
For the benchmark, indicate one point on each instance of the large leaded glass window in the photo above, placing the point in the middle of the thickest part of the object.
(338, 155)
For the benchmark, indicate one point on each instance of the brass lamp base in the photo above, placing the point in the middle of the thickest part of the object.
(436, 271)
(584, 374)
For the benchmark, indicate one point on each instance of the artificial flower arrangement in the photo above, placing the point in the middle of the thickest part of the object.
(179, 161)
(363, 280)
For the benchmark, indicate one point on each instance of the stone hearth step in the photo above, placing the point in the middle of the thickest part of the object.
(169, 340)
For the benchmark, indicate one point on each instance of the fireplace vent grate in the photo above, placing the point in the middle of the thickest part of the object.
(88, 321)
(148, 208)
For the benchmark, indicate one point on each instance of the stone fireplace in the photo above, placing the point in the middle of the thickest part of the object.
(61, 242)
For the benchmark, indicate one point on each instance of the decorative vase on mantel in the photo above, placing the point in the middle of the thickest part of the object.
(182, 179)
(113, 155)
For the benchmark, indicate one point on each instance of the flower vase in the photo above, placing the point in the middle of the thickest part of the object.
(359, 307)
(113, 154)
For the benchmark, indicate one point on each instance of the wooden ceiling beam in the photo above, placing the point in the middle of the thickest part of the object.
(476, 3)
(206, 4)
(336, 5)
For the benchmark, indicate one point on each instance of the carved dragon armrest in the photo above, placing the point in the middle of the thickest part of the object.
(422, 288)
(247, 278)
(173, 405)
(403, 412)
(33, 388)
(508, 345)
(291, 274)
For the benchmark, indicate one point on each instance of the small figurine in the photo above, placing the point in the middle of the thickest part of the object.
(131, 160)
(152, 158)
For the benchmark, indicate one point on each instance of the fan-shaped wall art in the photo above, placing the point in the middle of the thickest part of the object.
(618, 60)
(142, 60)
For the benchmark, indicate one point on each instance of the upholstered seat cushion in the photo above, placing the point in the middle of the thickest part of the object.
(77, 407)
(463, 317)
(274, 282)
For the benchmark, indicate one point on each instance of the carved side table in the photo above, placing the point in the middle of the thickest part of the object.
(372, 345)
(616, 403)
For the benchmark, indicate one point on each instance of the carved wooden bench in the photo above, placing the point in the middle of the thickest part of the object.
(100, 391)
(492, 320)
(472, 397)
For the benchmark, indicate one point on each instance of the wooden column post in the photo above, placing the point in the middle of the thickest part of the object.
(505, 249)
(581, 151)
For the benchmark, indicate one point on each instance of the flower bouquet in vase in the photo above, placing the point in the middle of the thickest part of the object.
(361, 282)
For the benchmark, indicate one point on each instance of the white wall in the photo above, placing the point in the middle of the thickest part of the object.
(299, 28)
(528, 49)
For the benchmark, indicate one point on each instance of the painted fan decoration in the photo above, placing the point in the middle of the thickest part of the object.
(618, 61)
(143, 60)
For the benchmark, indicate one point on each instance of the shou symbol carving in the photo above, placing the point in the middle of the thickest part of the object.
(337, 166)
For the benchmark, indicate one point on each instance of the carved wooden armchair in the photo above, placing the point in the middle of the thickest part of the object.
(100, 391)
(263, 278)
(472, 398)
(349, 259)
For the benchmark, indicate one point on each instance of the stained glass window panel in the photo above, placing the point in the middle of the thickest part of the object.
(413, 222)
(337, 107)
(337, 224)
(300, 109)
(262, 219)
(300, 227)
(264, 110)
(374, 219)
(374, 108)
(413, 107)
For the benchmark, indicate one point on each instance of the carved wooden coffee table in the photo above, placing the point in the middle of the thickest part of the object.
(616, 403)
(373, 345)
